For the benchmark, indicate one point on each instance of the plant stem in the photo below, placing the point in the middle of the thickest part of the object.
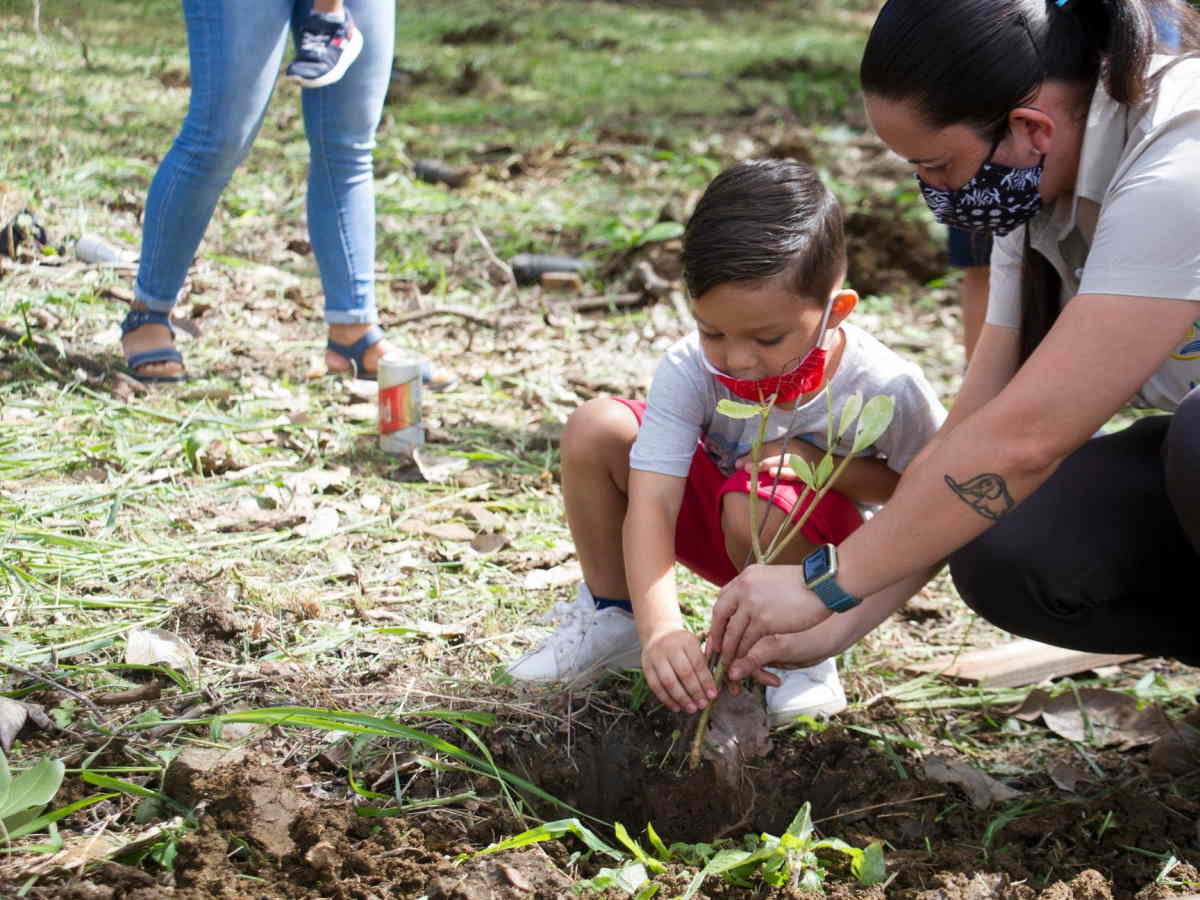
(784, 537)
(705, 714)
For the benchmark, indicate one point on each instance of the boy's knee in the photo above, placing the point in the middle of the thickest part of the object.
(597, 428)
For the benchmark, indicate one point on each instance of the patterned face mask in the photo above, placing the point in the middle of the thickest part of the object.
(995, 201)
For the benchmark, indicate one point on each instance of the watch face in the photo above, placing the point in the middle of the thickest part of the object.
(816, 563)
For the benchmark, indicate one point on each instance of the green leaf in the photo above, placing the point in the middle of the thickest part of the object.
(630, 878)
(5, 780)
(657, 843)
(735, 410)
(660, 231)
(850, 411)
(721, 862)
(824, 470)
(803, 470)
(636, 849)
(874, 421)
(801, 826)
(31, 790)
(550, 831)
(871, 869)
(53, 816)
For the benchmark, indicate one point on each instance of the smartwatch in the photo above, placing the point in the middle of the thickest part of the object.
(820, 567)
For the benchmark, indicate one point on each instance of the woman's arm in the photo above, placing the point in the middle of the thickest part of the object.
(1097, 355)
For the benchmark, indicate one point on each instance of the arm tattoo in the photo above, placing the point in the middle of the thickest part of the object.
(987, 494)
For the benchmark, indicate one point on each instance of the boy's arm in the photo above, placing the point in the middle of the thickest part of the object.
(865, 479)
(673, 663)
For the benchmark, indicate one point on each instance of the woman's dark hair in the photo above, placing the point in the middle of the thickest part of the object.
(971, 62)
(763, 218)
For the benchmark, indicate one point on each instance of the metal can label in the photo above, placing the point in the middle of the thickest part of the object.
(397, 408)
(399, 394)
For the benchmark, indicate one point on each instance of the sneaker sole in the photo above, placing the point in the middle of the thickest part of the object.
(626, 659)
(349, 55)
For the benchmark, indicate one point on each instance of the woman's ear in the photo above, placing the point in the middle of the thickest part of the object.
(1035, 128)
(844, 302)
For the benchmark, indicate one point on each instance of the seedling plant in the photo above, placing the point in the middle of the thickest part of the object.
(873, 419)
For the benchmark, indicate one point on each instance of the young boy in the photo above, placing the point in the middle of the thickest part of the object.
(329, 43)
(646, 485)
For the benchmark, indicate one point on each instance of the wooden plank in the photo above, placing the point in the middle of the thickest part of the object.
(1018, 663)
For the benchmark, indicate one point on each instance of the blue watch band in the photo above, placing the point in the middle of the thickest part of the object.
(820, 567)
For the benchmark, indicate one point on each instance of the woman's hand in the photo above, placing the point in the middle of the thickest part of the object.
(762, 601)
(677, 671)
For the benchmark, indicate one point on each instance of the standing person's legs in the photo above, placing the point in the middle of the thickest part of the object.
(340, 121)
(234, 51)
(1096, 559)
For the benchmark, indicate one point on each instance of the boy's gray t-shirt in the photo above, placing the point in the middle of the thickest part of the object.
(682, 409)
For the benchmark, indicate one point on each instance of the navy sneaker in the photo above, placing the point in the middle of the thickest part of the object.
(327, 48)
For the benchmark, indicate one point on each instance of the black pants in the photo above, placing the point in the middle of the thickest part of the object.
(1105, 556)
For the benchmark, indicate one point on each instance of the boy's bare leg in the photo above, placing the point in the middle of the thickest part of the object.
(595, 486)
(328, 6)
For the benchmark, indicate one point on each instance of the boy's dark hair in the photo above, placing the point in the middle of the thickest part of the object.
(971, 62)
(763, 218)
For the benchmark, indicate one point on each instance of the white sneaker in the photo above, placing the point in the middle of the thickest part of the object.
(587, 642)
(815, 691)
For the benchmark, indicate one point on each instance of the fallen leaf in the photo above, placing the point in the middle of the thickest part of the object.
(1066, 777)
(12, 720)
(322, 524)
(156, 646)
(515, 878)
(450, 531)
(362, 412)
(438, 468)
(488, 543)
(363, 390)
(1097, 717)
(540, 579)
(982, 789)
(341, 566)
(488, 520)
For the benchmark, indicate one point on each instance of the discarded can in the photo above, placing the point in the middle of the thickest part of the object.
(528, 268)
(400, 428)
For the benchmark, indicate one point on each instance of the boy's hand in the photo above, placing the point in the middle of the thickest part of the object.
(677, 671)
(774, 463)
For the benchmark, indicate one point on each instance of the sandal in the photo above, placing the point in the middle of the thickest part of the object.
(135, 320)
(353, 354)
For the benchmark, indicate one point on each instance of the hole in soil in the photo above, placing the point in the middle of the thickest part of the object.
(632, 774)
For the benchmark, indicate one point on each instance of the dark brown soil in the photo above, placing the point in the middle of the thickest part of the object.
(261, 834)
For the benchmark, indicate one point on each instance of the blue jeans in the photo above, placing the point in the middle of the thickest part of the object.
(235, 49)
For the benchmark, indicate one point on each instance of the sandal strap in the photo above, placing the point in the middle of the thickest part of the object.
(353, 353)
(139, 317)
(162, 354)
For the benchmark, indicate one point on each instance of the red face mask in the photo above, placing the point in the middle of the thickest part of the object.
(803, 379)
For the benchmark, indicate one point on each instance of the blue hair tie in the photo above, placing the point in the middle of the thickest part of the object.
(1060, 3)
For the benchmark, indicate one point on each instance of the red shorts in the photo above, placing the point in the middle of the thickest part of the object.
(699, 538)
